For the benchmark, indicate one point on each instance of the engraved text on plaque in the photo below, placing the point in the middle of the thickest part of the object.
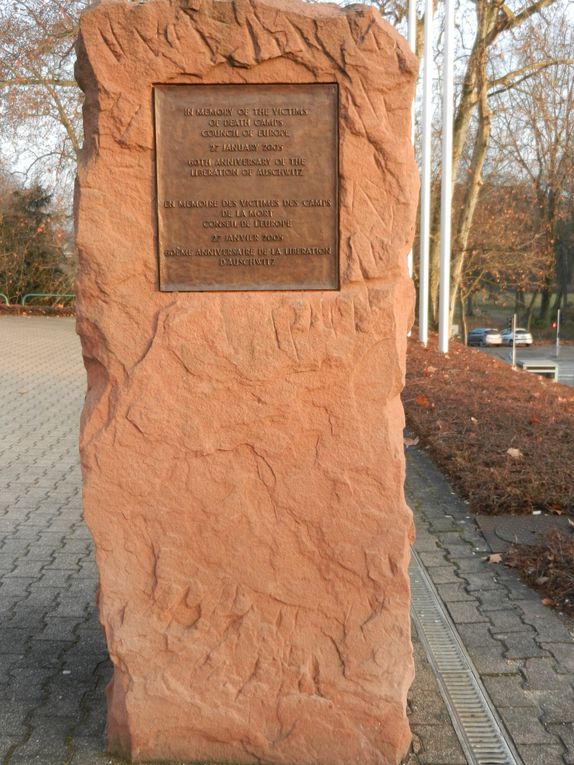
(247, 187)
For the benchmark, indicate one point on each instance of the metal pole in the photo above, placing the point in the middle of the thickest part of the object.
(425, 178)
(558, 334)
(514, 341)
(446, 188)
(412, 39)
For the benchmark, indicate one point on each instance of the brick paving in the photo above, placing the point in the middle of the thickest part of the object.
(523, 652)
(53, 660)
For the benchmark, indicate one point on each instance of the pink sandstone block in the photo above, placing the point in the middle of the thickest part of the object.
(242, 452)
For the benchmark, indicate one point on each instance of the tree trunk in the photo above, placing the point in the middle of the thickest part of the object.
(519, 302)
(486, 17)
(460, 132)
(462, 303)
(530, 310)
(546, 297)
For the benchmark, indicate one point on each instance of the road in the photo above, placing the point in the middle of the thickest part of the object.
(546, 352)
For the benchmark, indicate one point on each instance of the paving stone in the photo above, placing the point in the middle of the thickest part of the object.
(47, 747)
(508, 691)
(60, 705)
(88, 570)
(13, 641)
(509, 620)
(550, 629)
(7, 744)
(532, 607)
(58, 578)
(466, 613)
(525, 727)
(93, 720)
(17, 586)
(490, 662)
(478, 636)
(28, 616)
(565, 732)
(448, 538)
(521, 645)
(541, 755)
(542, 674)
(75, 547)
(44, 654)
(26, 534)
(70, 607)
(494, 600)
(444, 575)
(443, 524)
(557, 706)
(440, 746)
(26, 568)
(454, 592)
(89, 751)
(461, 552)
(13, 717)
(432, 559)
(474, 565)
(6, 662)
(39, 554)
(426, 542)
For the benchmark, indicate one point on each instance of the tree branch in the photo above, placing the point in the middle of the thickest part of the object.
(43, 81)
(509, 20)
(509, 80)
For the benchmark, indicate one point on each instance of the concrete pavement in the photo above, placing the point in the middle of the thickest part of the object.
(53, 659)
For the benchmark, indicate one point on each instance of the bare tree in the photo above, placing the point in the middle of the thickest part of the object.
(39, 99)
(537, 134)
(495, 23)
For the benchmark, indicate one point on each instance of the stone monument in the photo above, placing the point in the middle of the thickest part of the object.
(245, 202)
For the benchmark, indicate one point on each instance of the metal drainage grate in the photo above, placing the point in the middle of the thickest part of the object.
(476, 723)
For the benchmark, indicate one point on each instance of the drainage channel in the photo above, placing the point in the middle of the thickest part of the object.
(476, 723)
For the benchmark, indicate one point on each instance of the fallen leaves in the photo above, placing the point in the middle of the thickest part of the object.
(548, 567)
(470, 422)
(504, 439)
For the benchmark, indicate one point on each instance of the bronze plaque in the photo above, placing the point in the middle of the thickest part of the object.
(247, 187)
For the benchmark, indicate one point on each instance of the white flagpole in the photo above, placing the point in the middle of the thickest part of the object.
(412, 40)
(446, 189)
(426, 178)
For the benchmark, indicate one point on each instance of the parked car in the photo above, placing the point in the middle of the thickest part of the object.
(523, 337)
(483, 336)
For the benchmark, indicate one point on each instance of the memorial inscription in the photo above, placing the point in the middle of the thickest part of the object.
(247, 187)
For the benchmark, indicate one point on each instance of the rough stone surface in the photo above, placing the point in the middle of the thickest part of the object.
(242, 453)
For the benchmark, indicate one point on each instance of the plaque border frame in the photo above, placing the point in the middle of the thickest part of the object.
(232, 289)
